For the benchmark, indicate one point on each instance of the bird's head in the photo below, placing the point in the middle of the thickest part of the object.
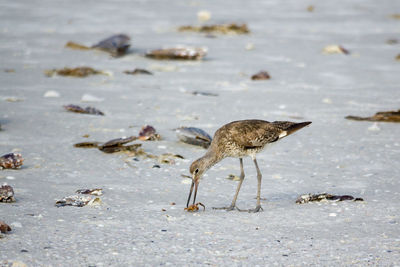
(197, 168)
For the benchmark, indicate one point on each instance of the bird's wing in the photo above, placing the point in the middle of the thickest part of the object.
(257, 134)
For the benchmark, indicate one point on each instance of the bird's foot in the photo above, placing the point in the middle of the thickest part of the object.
(258, 208)
(231, 207)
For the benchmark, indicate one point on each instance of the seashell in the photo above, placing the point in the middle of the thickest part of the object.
(76, 46)
(11, 161)
(188, 53)
(148, 133)
(94, 192)
(118, 141)
(262, 75)
(384, 116)
(87, 144)
(138, 71)
(324, 197)
(335, 49)
(6, 193)
(74, 200)
(231, 28)
(79, 72)
(87, 110)
(4, 228)
(117, 45)
(194, 136)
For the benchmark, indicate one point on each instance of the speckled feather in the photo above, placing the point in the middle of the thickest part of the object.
(246, 137)
(243, 138)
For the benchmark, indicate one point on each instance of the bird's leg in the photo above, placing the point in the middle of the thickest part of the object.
(233, 205)
(259, 176)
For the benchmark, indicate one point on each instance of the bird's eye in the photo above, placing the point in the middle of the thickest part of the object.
(196, 171)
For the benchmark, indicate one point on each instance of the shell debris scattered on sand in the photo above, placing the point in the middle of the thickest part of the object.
(262, 75)
(79, 72)
(324, 197)
(383, 116)
(78, 201)
(148, 133)
(116, 45)
(87, 110)
(11, 161)
(93, 192)
(184, 53)
(335, 49)
(6, 193)
(4, 228)
(193, 136)
(138, 71)
(231, 28)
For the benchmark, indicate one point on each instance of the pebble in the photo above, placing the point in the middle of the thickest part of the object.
(51, 93)
(91, 98)
(204, 15)
(327, 101)
(374, 127)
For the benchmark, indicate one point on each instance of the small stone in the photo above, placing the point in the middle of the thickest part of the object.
(249, 46)
(327, 101)
(91, 98)
(51, 94)
(335, 49)
(374, 127)
(203, 15)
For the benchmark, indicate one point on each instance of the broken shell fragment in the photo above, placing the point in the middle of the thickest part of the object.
(335, 49)
(93, 192)
(118, 141)
(187, 53)
(11, 161)
(117, 45)
(117, 145)
(87, 110)
(4, 228)
(193, 136)
(262, 75)
(231, 28)
(233, 177)
(79, 72)
(168, 158)
(76, 46)
(148, 133)
(324, 197)
(203, 93)
(87, 144)
(6, 194)
(383, 116)
(77, 201)
(138, 71)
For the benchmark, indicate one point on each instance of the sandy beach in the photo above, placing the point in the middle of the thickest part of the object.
(141, 219)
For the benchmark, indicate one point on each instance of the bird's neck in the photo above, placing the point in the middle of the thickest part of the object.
(211, 158)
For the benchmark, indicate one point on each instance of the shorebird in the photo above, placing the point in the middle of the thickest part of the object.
(239, 139)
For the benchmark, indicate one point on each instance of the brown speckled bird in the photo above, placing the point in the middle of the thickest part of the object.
(239, 139)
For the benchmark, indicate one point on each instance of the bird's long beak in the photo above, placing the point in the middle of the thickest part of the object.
(195, 184)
